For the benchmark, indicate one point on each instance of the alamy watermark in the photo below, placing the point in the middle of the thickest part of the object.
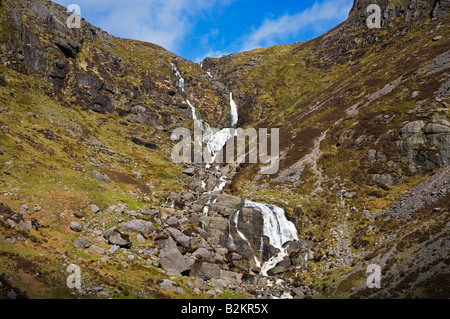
(74, 20)
(374, 278)
(374, 16)
(74, 279)
(211, 146)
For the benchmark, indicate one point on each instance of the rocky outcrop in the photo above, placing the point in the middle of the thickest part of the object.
(426, 145)
(409, 11)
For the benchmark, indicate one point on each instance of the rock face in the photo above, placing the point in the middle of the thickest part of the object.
(426, 145)
(410, 11)
(54, 58)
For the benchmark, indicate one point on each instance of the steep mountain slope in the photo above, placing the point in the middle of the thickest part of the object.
(86, 123)
(363, 115)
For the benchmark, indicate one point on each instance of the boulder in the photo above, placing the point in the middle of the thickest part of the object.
(95, 209)
(218, 228)
(76, 227)
(114, 250)
(82, 242)
(179, 237)
(172, 221)
(276, 270)
(166, 243)
(25, 225)
(387, 179)
(97, 250)
(204, 254)
(189, 172)
(138, 226)
(101, 177)
(165, 213)
(205, 270)
(173, 259)
(167, 284)
(412, 128)
(4, 80)
(115, 237)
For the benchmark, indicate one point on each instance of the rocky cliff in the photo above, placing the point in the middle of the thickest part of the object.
(86, 123)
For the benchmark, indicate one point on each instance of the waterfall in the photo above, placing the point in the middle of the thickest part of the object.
(233, 111)
(214, 140)
(230, 237)
(181, 85)
(277, 228)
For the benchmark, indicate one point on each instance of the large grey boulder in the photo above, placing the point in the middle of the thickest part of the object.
(82, 242)
(181, 238)
(205, 270)
(76, 227)
(173, 259)
(218, 228)
(115, 237)
(138, 226)
(204, 254)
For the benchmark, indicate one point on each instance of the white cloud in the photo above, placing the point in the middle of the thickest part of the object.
(318, 19)
(164, 22)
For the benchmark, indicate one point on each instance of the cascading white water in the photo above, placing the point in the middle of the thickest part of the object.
(230, 237)
(181, 85)
(233, 111)
(277, 228)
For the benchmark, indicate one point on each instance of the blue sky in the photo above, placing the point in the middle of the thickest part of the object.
(195, 29)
